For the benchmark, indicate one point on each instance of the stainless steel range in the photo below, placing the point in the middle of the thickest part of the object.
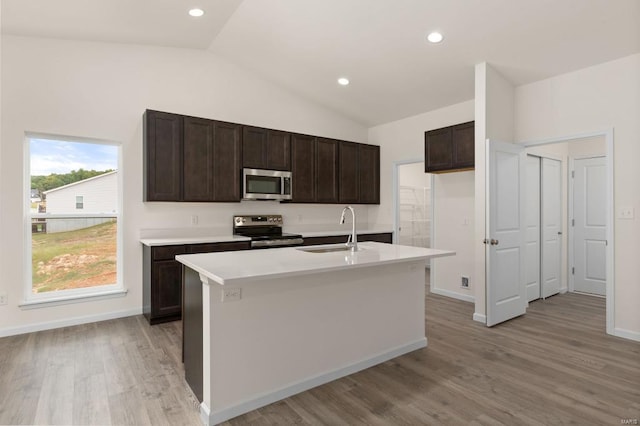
(265, 231)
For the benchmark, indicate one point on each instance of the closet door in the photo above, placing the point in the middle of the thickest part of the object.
(532, 233)
(551, 226)
(590, 229)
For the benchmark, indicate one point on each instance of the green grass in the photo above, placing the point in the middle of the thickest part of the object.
(74, 259)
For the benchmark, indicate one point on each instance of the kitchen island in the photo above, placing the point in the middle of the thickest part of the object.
(262, 325)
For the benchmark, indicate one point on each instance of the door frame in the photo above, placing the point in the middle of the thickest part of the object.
(396, 206)
(610, 250)
(570, 212)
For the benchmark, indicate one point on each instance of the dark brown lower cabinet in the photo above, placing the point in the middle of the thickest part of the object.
(162, 277)
(383, 237)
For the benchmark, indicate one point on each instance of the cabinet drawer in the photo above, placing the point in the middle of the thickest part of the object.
(215, 247)
(167, 252)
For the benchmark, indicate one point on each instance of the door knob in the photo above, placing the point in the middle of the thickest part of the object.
(494, 242)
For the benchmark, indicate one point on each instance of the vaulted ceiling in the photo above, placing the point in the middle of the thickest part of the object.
(305, 45)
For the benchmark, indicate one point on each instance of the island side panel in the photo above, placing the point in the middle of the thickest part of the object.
(192, 330)
(292, 333)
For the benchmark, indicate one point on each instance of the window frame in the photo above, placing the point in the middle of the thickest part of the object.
(52, 298)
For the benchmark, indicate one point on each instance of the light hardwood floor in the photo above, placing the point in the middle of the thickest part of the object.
(553, 366)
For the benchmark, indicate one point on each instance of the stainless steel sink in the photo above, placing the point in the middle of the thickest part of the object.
(327, 249)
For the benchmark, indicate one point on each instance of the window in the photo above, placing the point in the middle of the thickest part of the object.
(75, 239)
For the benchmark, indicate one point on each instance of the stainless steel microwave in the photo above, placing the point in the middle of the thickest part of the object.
(261, 184)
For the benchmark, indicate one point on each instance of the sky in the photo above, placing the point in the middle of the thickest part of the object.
(54, 156)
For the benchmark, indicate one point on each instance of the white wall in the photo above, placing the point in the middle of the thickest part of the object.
(453, 203)
(592, 100)
(100, 91)
(454, 229)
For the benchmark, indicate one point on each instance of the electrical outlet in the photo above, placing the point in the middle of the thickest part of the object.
(464, 282)
(194, 220)
(3, 298)
(231, 294)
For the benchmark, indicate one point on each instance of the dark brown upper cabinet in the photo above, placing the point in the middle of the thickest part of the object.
(227, 162)
(266, 149)
(349, 176)
(198, 159)
(303, 167)
(162, 133)
(369, 174)
(449, 149)
(191, 159)
(314, 165)
(327, 171)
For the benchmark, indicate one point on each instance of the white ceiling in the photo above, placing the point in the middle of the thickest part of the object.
(305, 45)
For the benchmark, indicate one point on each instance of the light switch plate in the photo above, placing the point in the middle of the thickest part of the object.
(625, 213)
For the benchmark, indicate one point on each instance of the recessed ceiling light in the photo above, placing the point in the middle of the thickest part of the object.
(435, 37)
(196, 12)
(343, 81)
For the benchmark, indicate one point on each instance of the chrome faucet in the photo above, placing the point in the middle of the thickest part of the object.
(352, 242)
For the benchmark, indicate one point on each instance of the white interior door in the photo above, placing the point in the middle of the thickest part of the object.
(506, 295)
(532, 233)
(590, 225)
(551, 224)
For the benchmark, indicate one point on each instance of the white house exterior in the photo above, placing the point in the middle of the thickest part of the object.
(98, 194)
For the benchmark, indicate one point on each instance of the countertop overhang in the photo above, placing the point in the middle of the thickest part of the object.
(236, 267)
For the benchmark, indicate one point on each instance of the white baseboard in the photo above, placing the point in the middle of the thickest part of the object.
(12, 331)
(480, 317)
(453, 294)
(626, 334)
(218, 416)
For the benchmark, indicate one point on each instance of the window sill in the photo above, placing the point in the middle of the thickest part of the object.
(68, 299)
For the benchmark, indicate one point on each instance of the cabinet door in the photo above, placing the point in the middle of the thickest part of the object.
(198, 159)
(438, 154)
(385, 237)
(278, 150)
(303, 167)
(369, 173)
(332, 239)
(166, 288)
(326, 171)
(227, 157)
(163, 156)
(349, 175)
(463, 139)
(254, 143)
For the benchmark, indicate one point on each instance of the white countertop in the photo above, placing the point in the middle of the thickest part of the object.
(235, 267)
(203, 239)
(214, 236)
